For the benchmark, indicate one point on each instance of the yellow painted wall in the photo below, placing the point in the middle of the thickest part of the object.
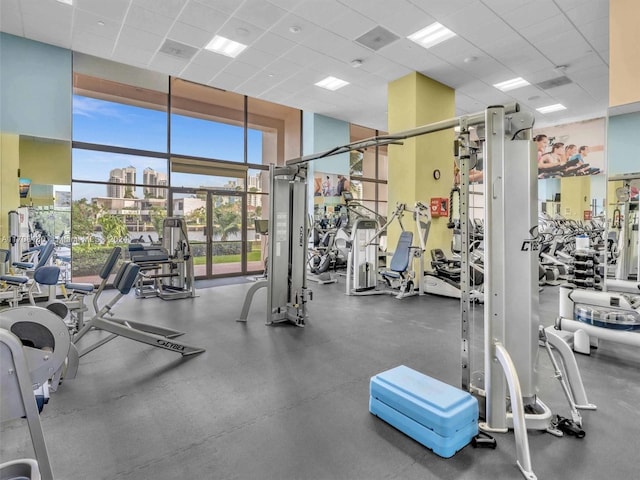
(45, 161)
(624, 59)
(9, 196)
(575, 196)
(416, 100)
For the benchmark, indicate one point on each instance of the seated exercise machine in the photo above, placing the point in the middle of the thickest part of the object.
(140, 332)
(399, 275)
(592, 315)
(17, 286)
(166, 270)
(34, 348)
(444, 280)
(76, 293)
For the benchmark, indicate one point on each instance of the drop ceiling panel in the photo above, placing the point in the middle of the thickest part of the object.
(132, 56)
(226, 81)
(199, 73)
(260, 13)
(319, 12)
(42, 29)
(202, 16)
(350, 25)
(408, 20)
(113, 9)
(594, 11)
(87, 22)
(548, 27)
(190, 35)
(442, 8)
(147, 20)
(87, 42)
(256, 58)
(304, 28)
(167, 8)
(240, 31)
(531, 13)
(168, 64)
(225, 6)
(138, 39)
(504, 6)
(273, 44)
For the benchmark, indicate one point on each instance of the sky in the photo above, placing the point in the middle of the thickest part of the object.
(115, 124)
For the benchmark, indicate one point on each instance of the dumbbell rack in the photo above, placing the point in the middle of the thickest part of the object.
(586, 271)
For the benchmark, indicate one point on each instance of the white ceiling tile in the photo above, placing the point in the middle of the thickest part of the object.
(240, 69)
(225, 6)
(288, 5)
(207, 58)
(167, 8)
(406, 21)
(138, 39)
(87, 22)
(548, 27)
(350, 25)
(96, 45)
(202, 16)
(256, 58)
(131, 56)
(531, 13)
(594, 29)
(442, 8)
(274, 44)
(319, 12)
(167, 64)
(504, 6)
(260, 13)
(595, 11)
(143, 19)
(304, 27)
(198, 73)
(240, 31)
(226, 81)
(189, 35)
(113, 9)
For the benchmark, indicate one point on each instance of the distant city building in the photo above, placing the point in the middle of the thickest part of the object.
(118, 176)
(157, 179)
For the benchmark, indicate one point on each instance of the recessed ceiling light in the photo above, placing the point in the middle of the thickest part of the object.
(470, 59)
(66, 2)
(295, 29)
(431, 35)
(551, 108)
(357, 63)
(511, 84)
(100, 23)
(331, 83)
(226, 47)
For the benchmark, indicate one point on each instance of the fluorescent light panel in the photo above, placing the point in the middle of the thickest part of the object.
(331, 83)
(551, 108)
(226, 47)
(68, 2)
(511, 84)
(431, 35)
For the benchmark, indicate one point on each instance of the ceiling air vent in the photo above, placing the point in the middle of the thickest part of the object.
(177, 49)
(554, 82)
(377, 38)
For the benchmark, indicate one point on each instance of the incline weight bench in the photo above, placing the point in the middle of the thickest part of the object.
(140, 332)
(398, 275)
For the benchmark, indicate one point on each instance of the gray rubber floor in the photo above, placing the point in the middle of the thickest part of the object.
(292, 403)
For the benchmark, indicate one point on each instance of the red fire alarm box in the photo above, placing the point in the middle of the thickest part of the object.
(587, 214)
(439, 207)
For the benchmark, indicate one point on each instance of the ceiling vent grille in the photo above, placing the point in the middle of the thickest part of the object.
(377, 38)
(177, 49)
(554, 82)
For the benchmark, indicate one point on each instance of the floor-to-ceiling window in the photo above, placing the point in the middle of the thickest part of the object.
(146, 146)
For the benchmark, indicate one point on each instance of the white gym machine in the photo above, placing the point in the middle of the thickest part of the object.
(35, 348)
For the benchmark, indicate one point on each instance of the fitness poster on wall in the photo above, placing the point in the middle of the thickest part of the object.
(570, 150)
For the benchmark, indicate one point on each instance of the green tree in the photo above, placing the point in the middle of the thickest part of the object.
(83, 219)
(197, 216)
(113, 228)
(128, 193)
(226, 221)
(157, 214)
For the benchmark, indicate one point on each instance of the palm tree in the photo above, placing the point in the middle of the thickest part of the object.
(226, 221)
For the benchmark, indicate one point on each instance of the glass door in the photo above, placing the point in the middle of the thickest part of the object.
(227, 254)
(194, 206)
(215, 227)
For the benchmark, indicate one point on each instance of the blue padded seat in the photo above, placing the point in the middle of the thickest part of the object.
(48, 275)
(126, 277)
(24, 265)
(401, 257)
(14, 279)
(80, 287)
(105, 271)
(4, 255)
